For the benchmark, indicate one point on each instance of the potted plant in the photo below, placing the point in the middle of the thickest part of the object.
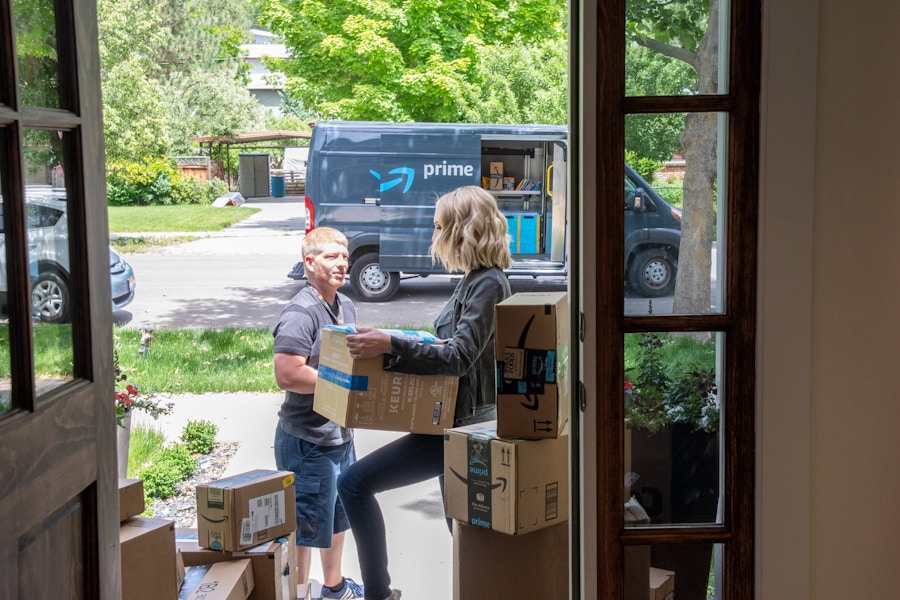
(128, 398)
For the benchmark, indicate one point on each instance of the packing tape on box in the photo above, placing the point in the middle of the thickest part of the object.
(344, 380)
(414, 335)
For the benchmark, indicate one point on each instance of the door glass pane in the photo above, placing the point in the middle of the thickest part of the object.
(5, 366)
(673, 387)
(675, 205)
(48, 253)
(683, 571)
(38, 62)
(676, 48)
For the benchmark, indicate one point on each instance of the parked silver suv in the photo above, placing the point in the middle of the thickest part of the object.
(48, 248)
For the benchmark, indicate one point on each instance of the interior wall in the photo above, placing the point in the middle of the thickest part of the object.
(787, 186)
(856, 399)
(829, 404)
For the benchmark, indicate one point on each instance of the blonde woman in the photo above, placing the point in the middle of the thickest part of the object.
(470, 237)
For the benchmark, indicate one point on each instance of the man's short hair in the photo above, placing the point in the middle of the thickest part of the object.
(315, 241)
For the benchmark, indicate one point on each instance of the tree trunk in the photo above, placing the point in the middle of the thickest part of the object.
(698, 141)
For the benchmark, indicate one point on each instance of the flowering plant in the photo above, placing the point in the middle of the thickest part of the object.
(130, 398)
(653, 398)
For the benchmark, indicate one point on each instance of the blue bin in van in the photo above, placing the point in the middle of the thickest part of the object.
(512, 222)
(529, 233)
(278, 186)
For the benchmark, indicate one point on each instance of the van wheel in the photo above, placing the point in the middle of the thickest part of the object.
(50, 298)
(652, 273)
(369, 282)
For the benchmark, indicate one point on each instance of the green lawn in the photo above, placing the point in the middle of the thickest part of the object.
(198, 361)
(164, 219)
(187, 360)
(679, 353)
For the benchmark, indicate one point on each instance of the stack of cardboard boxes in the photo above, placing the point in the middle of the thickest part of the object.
(241, 550)
(506, 481)
(150, 565)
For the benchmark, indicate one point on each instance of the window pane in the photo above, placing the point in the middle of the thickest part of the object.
(48, 241)
(5, 366)
(676, 48)
(38, 62)
(673, 442)
(674, 213)
(683, 571)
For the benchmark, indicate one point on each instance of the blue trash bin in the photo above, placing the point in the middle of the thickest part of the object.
(277, 186)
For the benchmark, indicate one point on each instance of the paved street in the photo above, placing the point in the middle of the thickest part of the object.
(238, 278)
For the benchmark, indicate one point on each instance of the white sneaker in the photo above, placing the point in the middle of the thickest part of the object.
(303, 591)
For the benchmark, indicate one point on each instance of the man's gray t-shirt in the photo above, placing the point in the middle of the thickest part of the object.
(298, 332)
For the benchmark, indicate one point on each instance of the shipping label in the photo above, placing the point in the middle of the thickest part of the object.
(215, 498)
(266, 511)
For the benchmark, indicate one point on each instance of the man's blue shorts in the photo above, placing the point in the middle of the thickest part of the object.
(316, 468)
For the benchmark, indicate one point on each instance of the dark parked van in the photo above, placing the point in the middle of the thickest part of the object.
(378, 182)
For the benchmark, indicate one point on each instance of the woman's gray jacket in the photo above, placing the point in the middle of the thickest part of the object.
(466, 324)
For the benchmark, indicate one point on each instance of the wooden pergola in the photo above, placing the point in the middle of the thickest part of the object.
(214, 146)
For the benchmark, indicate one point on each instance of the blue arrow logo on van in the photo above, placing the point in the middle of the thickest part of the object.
(386, 185)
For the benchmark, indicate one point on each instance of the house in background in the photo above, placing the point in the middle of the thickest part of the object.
(266, 86)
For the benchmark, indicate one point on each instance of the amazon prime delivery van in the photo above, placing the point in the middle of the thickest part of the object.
(378, 183)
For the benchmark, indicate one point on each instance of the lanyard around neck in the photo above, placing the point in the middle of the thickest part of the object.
(337, 319)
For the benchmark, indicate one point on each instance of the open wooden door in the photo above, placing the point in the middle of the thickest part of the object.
(58, 499)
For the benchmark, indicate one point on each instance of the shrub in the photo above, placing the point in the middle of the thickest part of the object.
(173, 465)
(657, 393)
(145, 443)
(646, 167)
(136, 184)
(673, 194)
(157, 182)
(187, 190)
(199, 436)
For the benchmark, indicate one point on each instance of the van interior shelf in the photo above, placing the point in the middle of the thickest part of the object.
(493, 151)
(515, 193)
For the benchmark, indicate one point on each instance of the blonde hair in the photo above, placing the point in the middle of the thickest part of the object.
(473, 232)
(315, 241)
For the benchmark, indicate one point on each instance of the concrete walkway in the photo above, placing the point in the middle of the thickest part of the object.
(419, 544)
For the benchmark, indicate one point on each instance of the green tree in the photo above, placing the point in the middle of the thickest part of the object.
(129, 29)
(398, 60)
(201, 36)
(521, 83)
(135, 123)
(687, 30)
(649, 73)
(208, 103)
(38, 64)
(171, 73)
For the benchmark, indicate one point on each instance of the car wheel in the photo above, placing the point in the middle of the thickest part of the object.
(652, 273)
(50, 297)
(369, 282)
